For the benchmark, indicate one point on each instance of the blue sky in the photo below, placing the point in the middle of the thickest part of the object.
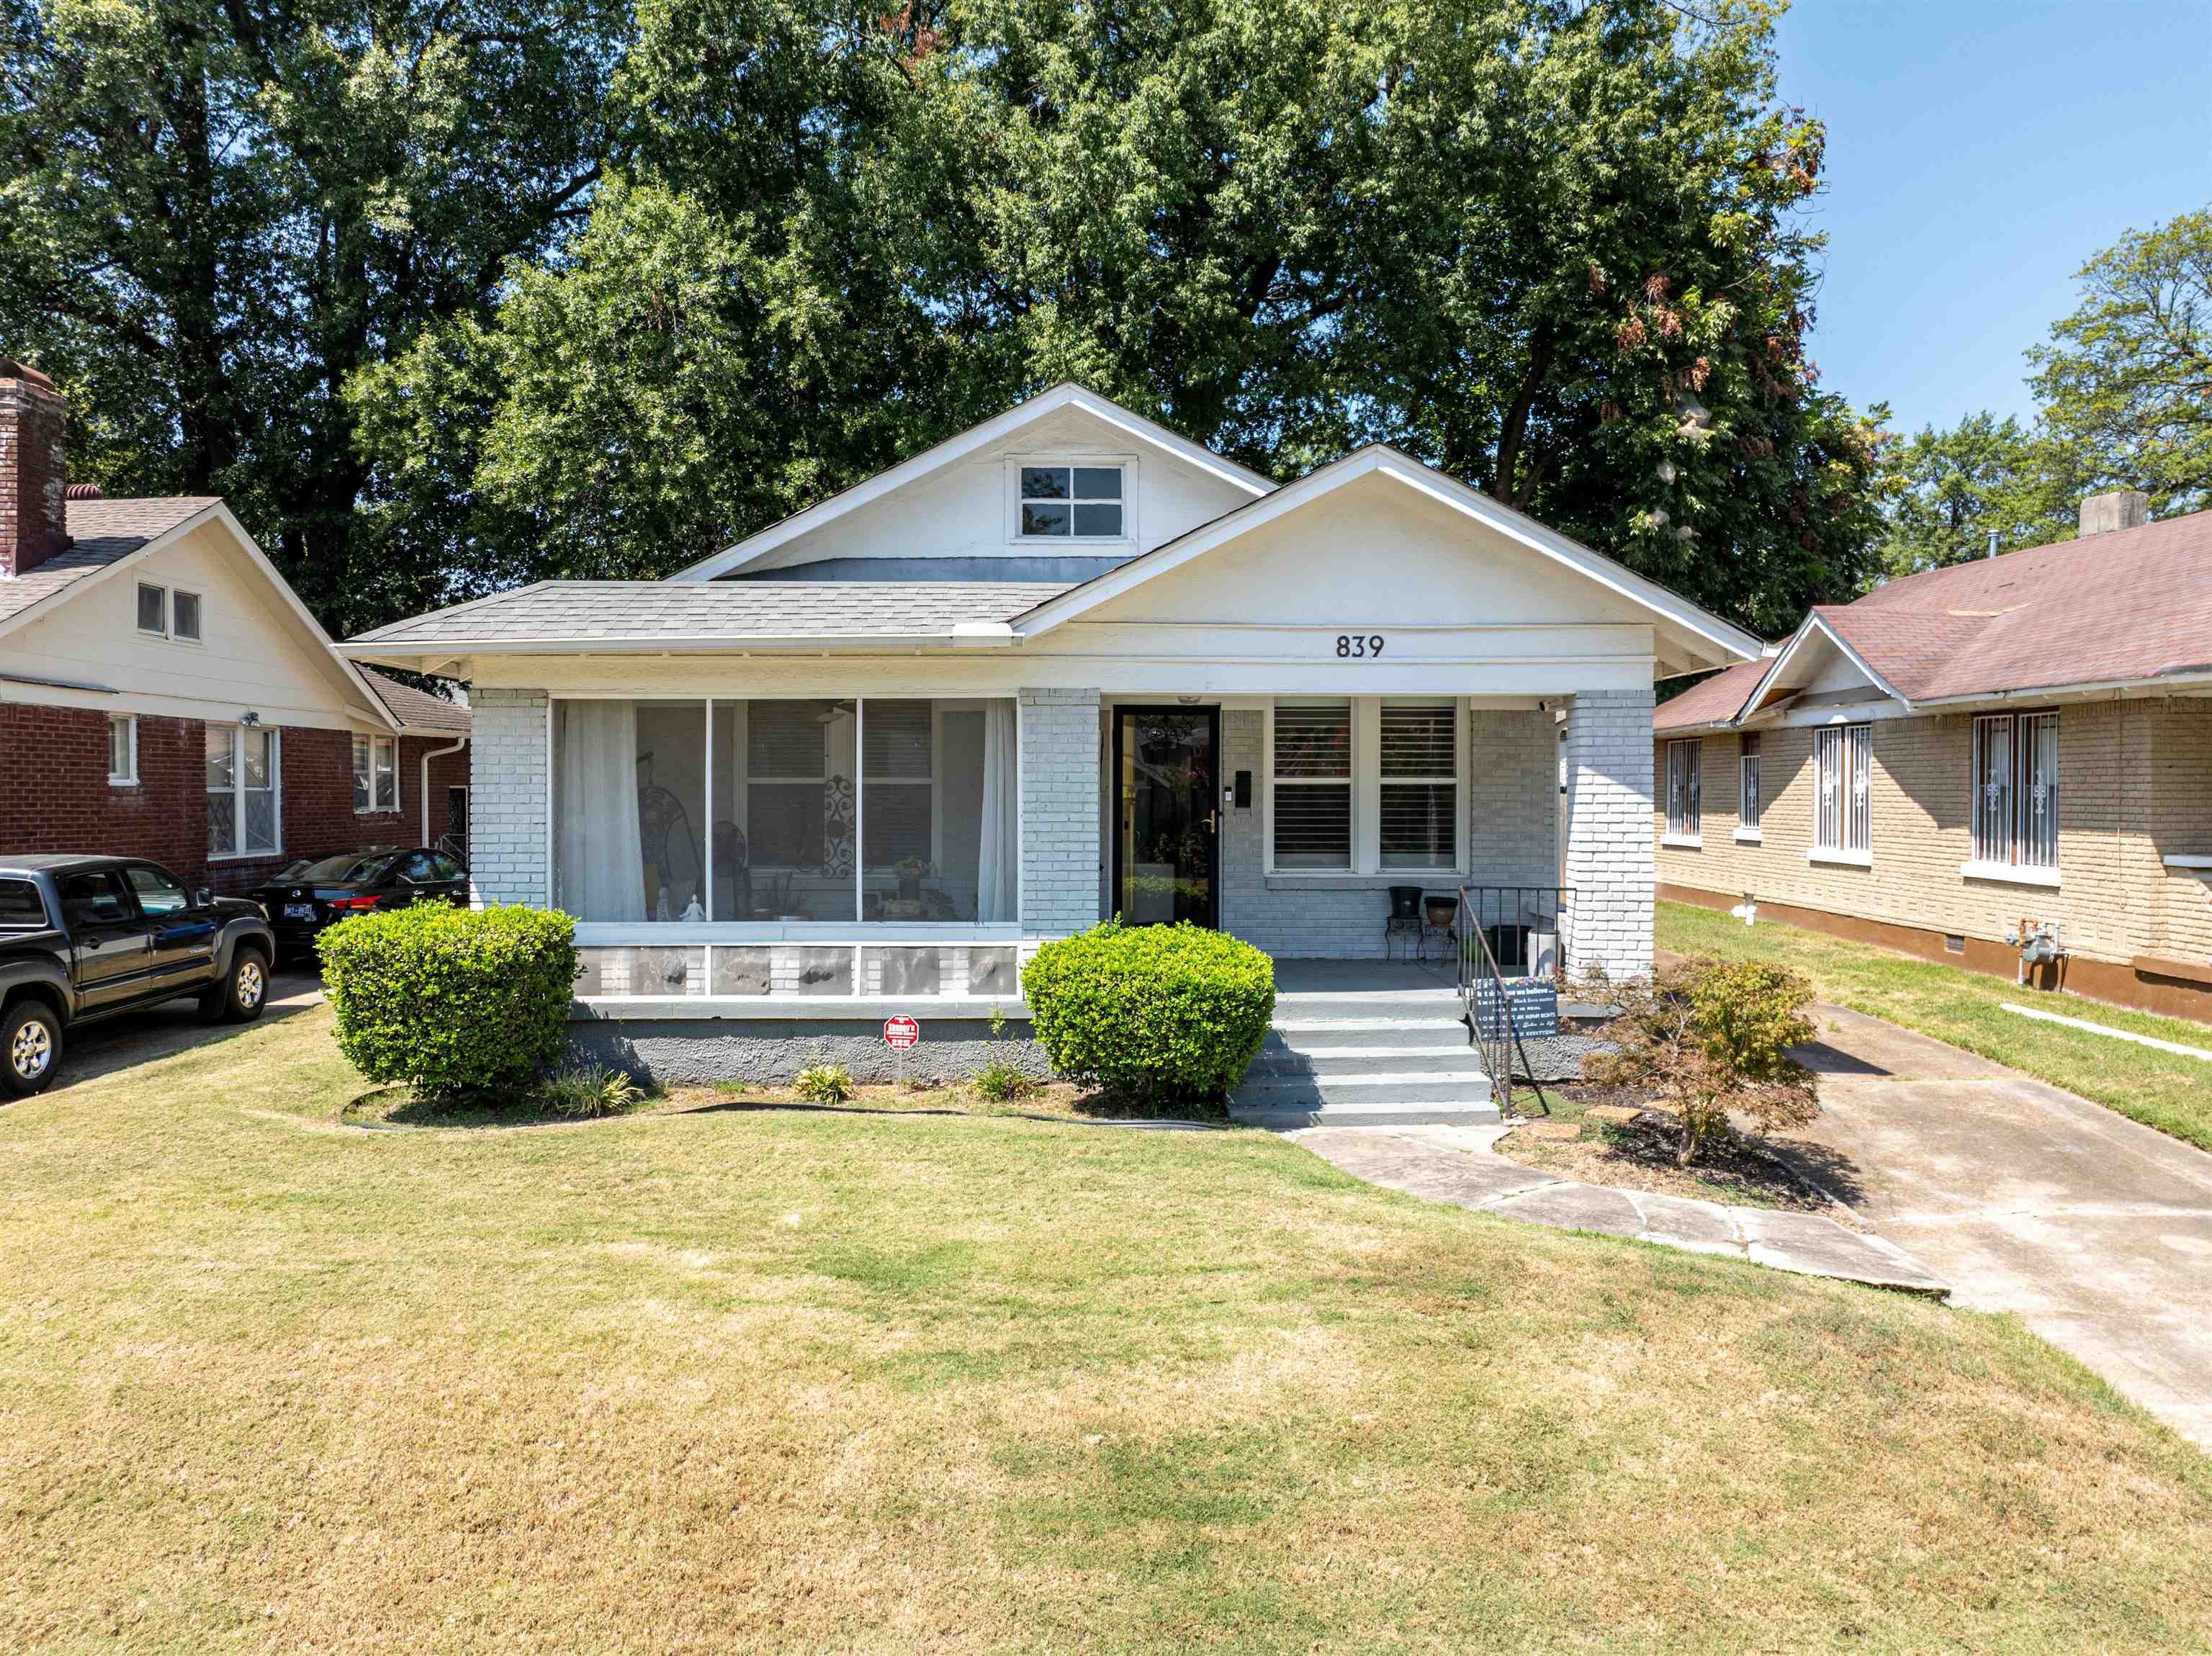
(1979, 153)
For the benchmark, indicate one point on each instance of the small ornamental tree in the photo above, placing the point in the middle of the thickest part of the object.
(1712, 1037)
(451, 1000)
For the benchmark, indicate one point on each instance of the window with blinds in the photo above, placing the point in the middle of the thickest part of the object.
(1843, 759)
(2016, 782)
(1419, 800)
(1312, 775)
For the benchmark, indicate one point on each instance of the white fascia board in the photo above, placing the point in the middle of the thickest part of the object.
(1403, 468)
(221, 512)
(1067, 394)
(2184, 683)
(1810, 625)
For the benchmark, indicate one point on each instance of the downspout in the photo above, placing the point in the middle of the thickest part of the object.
(435, 753)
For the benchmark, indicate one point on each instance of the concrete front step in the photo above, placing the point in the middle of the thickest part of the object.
(1287, 1118)
(1344, 1034)
(1440, 1057)
(1441, 1005)
(1438, 1087)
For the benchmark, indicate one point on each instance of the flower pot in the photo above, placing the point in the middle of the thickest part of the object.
(1440, 910)
(1405, 902)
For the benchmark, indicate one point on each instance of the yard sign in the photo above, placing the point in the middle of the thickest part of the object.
(902, 1031)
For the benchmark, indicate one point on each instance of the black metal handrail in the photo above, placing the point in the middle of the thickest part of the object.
(1499, 1050)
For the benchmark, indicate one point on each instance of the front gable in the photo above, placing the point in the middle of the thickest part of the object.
(1377, 541)
(257, 647)
(960, 500)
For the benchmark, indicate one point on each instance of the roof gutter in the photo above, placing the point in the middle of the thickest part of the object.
(423, 793)
(2186, 678)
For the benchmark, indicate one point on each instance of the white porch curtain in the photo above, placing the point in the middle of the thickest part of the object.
(998, 869)
(601, 856)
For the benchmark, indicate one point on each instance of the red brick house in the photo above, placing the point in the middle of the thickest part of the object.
(164, 694)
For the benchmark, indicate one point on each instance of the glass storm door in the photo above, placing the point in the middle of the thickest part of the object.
(1167, 814)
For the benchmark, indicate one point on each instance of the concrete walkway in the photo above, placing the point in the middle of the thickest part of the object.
(2095, 1230)
(1456, 1165)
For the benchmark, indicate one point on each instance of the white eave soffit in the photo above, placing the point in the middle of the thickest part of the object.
(998, 428)
(1729, 643)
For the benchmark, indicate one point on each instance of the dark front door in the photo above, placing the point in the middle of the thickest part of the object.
(1167, 813)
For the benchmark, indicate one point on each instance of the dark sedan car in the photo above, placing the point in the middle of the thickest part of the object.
(309, 896)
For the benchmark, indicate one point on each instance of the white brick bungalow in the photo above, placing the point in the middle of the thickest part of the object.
(1064, 666)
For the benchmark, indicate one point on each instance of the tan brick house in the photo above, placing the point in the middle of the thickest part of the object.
(1967, 758)
(164, 693)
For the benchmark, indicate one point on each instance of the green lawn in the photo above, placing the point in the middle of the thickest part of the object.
(760, 1380)
(2161, 1090)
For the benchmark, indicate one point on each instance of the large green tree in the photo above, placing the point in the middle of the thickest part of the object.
(216, 212)
(2123, 393)
(1552, 247)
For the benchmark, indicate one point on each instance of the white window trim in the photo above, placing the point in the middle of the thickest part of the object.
(1747, 831)
(2011, 873)
(1127, 464)
(1682, 841)
(144, 631)
(1367, 868)
(238, 796)
(123, 778)
(1750, 836)
(196, 640)
(398, 792)
(1840, 859)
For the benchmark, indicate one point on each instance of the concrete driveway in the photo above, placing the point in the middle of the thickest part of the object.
(129, 1038)
(2098, 1232)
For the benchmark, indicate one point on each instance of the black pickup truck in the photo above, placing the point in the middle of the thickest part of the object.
(85, 938)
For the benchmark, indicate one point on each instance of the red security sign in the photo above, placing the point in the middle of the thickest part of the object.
(902, 1031)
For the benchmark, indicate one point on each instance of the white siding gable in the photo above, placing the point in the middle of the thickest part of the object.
(965, 509)
(252, 651)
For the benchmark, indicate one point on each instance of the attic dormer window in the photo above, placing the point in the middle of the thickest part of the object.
(1071, 502)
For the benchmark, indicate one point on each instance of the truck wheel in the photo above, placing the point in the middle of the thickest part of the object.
(30, 1047)
(240, 994)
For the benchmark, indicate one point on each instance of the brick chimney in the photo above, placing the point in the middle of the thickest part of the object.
(33, 469)
(2124, 508)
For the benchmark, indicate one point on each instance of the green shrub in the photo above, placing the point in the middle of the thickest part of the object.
(1154, 1012)
(1001, 1082)
(824, 1083)
(591, 1092)
(451, 1000)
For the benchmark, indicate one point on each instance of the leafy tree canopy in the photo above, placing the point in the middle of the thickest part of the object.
(1553, 247)
(2124, 394)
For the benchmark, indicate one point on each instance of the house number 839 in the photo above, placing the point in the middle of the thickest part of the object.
(1353, 646)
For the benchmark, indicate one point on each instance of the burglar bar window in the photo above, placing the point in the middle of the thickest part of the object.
(2015, 781)
(1843, 758)
(1312, 788)
(1420, 785)
(1749, 801)
(1684, 805)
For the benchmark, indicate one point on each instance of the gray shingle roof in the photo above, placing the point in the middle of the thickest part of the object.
(418, 710)
(105, 531)
(596, 611)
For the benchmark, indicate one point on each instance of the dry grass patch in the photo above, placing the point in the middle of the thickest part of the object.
(811, 1381)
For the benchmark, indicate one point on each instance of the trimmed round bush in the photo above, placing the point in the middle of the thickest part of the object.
(1151, 1012)
(451, 1000)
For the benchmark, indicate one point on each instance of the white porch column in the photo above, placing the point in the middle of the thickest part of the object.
(1059, 812)
(507, 776)
(1609, 855)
